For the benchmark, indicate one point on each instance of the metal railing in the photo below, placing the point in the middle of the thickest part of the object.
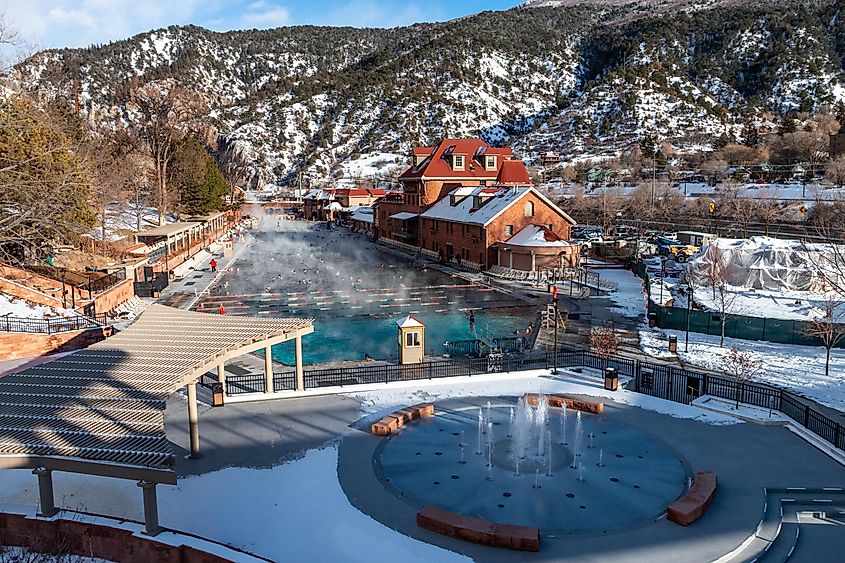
(658, 380)
(49, 326)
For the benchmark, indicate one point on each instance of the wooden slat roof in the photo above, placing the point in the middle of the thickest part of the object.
(105, 404)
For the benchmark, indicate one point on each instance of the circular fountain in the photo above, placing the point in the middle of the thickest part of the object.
(559, 470)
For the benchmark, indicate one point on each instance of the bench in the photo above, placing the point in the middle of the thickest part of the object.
(692, 505)
(559, 400)
(479, 531)
(394, 420)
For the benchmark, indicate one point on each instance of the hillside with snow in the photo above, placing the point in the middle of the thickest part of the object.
(582, 78)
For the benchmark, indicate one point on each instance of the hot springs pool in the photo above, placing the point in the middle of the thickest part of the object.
(355, 292)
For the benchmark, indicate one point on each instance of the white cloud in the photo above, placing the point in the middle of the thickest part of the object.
(261, 15)
(78, 23)
(71, 17)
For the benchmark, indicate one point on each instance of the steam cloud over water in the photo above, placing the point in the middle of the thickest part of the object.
(355, 291)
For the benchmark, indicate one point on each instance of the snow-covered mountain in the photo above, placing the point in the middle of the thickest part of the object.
(581, 78)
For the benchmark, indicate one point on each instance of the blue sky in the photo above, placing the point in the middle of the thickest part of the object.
(77, 23)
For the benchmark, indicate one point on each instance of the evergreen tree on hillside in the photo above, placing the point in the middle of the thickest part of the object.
(750, 136)
(44, 182)
(788, 125)
(199, 180)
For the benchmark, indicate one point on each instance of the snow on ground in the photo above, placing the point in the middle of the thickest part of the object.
(629, 297)
(292, 512)
(370, 165)
(798, 368)
(122, 219)
(22, 555)
(787, 305)
(536, 381)
(14, 307)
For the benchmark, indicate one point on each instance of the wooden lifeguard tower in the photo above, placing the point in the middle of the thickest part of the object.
(411, 340)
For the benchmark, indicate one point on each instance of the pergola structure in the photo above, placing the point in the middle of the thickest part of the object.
(100, 411)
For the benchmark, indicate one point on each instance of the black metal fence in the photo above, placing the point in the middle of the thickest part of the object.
(47, 326)
(658, 380)
(105, 282)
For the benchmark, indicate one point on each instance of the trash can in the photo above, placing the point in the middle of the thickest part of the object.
(611, 379)
(673, 344)
(652, 319)
(217, 394)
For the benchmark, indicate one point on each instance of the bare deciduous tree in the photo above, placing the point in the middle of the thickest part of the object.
(604, 341)
(163, 117)
(829, 328)
(715, 274)
(835, 171)
(741, 366)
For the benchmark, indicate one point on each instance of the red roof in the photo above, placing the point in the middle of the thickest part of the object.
(438, 163)
(513, 172)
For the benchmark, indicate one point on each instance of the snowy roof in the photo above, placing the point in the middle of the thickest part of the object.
(494, 201)
(409, 322)
(537, 235)
(335, 206)
(167, 230)
(363, 213)
(404, 216)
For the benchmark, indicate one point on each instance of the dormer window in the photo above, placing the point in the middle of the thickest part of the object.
(490, 162)
(458, 161)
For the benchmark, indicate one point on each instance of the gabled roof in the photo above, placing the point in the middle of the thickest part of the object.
(537, 235)
(437, 164)
(497, 200)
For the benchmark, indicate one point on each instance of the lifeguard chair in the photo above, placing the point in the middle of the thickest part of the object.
(411, 340)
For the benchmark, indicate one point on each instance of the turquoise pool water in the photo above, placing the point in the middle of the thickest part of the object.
(356, 293)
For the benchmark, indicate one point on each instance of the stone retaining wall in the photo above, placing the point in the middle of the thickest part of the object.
(17, 345)
(59, 536)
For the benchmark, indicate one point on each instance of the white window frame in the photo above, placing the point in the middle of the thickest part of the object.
(413, 338)
(455, 159)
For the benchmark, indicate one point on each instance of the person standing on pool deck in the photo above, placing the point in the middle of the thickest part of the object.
(213, 265)
(471, 321)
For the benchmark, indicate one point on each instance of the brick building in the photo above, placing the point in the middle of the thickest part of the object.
(331, 203)
(434, 173)
(471, 222)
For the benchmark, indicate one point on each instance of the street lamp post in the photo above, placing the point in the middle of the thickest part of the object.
(663, 278)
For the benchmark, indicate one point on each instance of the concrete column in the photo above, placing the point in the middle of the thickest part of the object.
(193, 420)
(45, 491)
(221, 376)
(510, 259)
(300, 378)
(151, 527)
(268, 369)
(533, 261)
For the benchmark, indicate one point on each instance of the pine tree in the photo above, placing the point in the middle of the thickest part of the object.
(750, 136)
(788, 125)
(199, 180)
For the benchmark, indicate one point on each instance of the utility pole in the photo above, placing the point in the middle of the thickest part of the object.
(653, 175)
